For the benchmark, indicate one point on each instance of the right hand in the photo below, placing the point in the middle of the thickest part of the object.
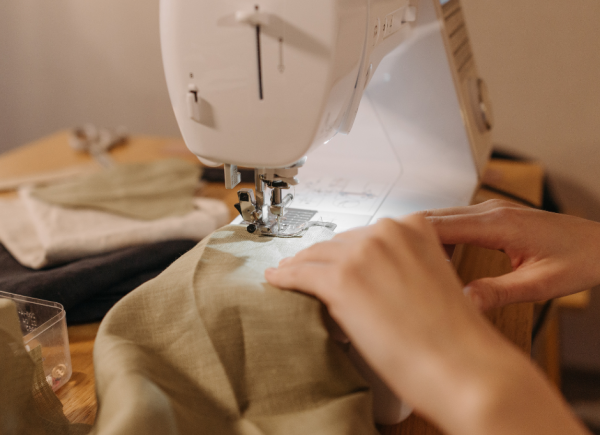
(552, 255)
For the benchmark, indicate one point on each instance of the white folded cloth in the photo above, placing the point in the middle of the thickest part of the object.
(39, 234)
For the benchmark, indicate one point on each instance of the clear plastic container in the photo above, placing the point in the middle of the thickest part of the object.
(43, 324)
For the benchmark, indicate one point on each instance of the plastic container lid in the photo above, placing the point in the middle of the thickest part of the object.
(43, 324)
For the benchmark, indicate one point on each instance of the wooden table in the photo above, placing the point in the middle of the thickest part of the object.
(52, 154)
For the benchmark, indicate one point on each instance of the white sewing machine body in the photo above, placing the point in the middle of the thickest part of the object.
(262, 84)
(421, 138)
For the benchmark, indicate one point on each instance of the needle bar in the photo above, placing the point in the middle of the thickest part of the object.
(260, 86)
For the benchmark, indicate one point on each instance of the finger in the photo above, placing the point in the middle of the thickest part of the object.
(470, 209)
(414, 222)
(484, 230)
(284, 261)
(309, 278)
(321, 252)
(422, 226)
(424, 229)
(450, 211)
(354, 234)
(526, 285)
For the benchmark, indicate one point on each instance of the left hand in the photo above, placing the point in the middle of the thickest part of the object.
(552, 255)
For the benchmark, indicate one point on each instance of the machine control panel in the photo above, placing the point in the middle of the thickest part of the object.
(394, 21)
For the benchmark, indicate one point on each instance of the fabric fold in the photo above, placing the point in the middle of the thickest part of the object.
(144, 191)
(209, 347)
(39, 234)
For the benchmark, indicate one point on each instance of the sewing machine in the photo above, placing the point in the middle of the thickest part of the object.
(262, 84)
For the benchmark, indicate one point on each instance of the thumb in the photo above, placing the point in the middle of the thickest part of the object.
(518, 286)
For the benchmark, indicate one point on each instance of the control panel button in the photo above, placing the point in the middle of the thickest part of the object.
(376, 31)
(395, 20)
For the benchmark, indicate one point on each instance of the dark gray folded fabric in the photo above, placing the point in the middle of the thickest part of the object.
(89, 287)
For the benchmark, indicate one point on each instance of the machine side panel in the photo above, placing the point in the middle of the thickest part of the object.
(471, 89)
(414, 95)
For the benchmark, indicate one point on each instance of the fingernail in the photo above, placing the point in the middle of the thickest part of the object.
(270, 270)
(284, 261)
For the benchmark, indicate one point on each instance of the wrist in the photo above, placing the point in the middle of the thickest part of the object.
(519, 400)
(456, 368)
(491, 387)
(473, 380)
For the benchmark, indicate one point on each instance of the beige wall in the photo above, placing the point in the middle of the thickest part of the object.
(65, 62)
(541, 60)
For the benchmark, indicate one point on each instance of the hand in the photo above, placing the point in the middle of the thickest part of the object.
(395, 295)
(393, 292)
(551, 254)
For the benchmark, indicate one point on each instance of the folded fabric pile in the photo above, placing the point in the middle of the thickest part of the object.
(144, 191)
(39, 234)
(107, 211)
(209, 347)
(90, 286)
(100, 236)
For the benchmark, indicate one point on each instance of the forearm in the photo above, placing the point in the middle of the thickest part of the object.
(488, 387)
(520, 401)
(392, 291)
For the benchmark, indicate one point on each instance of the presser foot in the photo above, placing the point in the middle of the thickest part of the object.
(274, 217)
(294, 223)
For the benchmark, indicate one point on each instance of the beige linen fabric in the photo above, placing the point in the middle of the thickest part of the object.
(208, 347)
(144, 191)
(39, 234)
